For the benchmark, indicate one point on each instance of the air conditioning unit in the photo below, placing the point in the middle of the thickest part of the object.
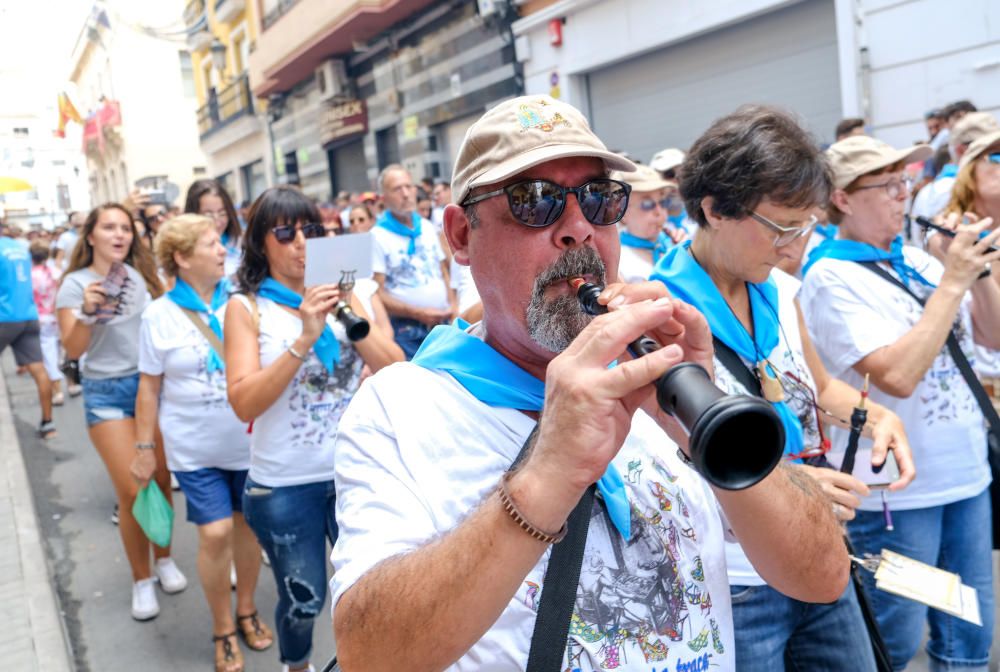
(331, 79)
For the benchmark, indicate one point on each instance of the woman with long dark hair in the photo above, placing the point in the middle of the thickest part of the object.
(110, 280)
(292, 370)
(209, 198)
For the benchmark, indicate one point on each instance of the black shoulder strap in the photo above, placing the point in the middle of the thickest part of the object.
(548, 640)
(961, 361)
(734, 364)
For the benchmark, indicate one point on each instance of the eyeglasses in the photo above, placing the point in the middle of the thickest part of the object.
(286, 234)
(787, 234)
(993, 158)
(218, 214)
(649, 204)
(797, 389)
(669, 202)
(894, 188)
(539, 203)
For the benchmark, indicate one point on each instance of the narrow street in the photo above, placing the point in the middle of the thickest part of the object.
(74, 501)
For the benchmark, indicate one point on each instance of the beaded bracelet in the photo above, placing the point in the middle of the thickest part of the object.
(508, 505)
(294, 353)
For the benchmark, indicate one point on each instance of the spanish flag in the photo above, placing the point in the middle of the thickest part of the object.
(67, 113)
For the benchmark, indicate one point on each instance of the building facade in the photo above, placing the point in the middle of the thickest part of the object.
(136, 92)
(232, 125)
(366, 84)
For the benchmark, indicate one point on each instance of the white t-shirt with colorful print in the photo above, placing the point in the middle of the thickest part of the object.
(411, 466)
(415, 279)
(851, 312)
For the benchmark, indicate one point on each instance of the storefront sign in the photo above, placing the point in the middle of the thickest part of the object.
(343, 120)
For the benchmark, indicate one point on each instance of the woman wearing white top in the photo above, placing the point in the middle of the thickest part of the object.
(292, 371)
(728, 273)
(864, 324)
(642, 234)
(183, 385)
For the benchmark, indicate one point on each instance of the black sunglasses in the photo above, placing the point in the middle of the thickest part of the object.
(286, 234)
(539, 203)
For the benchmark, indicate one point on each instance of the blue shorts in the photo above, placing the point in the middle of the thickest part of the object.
(109, 398)
(212, 494)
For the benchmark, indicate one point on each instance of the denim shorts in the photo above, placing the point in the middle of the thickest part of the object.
(212, 494)
(109, 398)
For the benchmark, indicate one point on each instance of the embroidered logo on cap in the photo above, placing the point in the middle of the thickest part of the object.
(530, 118)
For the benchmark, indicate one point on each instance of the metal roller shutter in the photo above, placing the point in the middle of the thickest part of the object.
(669, 97)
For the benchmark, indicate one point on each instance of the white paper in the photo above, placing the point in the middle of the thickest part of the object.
(928, 585)
(341, 258)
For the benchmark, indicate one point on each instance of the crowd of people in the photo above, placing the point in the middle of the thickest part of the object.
(489, 458)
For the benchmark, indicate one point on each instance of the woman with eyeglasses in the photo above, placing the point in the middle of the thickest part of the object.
(291, 371)
(641, 232)
(209, 198)
(360, 219)
(879, 308)
(751, 182)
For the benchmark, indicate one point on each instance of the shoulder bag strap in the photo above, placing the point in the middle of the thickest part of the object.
(562, 576)
(961, 361)
(209, 335)
(734, 364)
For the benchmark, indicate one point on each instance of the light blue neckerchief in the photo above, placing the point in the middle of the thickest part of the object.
(388, 221)
(327, 347)
(688, 281)
(851, 250)
(659, 247)
(949, 170)
(184, 296)
(496, 381)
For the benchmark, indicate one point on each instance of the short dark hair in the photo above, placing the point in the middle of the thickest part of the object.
(192, 204)
(277, 206)
(756, 152)
(845, 127)
(958, 106)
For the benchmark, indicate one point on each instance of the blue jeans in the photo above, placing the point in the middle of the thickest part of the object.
(409, 334)
(773, 630)
(292, 524)
(109, 398)
(955, 537)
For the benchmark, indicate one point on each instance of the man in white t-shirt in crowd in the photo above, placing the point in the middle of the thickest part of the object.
(440, 197)
(443, 546)
(67, 241)
(409, 264)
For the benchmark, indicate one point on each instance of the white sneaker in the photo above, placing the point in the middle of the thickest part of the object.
(284, 668)
(144, 604)
(170, 577)
(174, 485)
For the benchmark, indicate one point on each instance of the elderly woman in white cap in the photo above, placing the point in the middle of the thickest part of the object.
(641, 231)
(877, 308)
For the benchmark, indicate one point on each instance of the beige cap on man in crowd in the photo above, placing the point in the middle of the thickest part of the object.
(972, 126)
(979, 146)
(860, 155)
(667, 159)
(643, 179)
(522, 133)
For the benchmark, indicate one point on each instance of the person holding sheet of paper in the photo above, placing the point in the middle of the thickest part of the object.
(291, 370)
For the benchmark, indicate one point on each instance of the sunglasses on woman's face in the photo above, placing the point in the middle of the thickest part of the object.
(993, 158)
(286, 234)
(539, 203)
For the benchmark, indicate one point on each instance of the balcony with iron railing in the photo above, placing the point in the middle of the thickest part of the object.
(193, 13)
(225, 106)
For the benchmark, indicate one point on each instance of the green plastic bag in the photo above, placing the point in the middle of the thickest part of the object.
(153, 513)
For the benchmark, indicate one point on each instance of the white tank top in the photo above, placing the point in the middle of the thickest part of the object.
(292, 441)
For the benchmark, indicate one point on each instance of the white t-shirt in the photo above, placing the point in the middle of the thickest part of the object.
(66, 242)
(633, 266)
(464, 286)
(789, 358)
(199, 426)
(415, 279)
(292, 441)
(410, 467)
(933, 198)
(234, 255)
(365, 289)
(851, 313)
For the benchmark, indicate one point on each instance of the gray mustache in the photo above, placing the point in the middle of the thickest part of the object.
(577, 261)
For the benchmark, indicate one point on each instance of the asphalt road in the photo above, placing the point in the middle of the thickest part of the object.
(74, 500)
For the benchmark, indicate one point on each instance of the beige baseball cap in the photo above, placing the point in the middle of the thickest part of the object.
(666, 159)
(522, 133)
(972, 126)
(860, 155)
(643, 179)
(979, 147)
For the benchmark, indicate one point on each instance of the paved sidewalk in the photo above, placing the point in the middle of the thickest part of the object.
(32, 636)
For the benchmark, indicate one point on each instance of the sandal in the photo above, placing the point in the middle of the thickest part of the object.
(254, 632)
(227, 657)
(47, 429)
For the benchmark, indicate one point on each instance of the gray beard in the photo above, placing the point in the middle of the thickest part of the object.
(554, 323)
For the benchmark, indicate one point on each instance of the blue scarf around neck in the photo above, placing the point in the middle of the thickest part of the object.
(851, 250)
(688, 281)
(496, 381)
(659, 246)
(184, 296)
(389, 222)
(327, 347)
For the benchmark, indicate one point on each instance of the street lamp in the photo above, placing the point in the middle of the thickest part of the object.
(218, 50)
